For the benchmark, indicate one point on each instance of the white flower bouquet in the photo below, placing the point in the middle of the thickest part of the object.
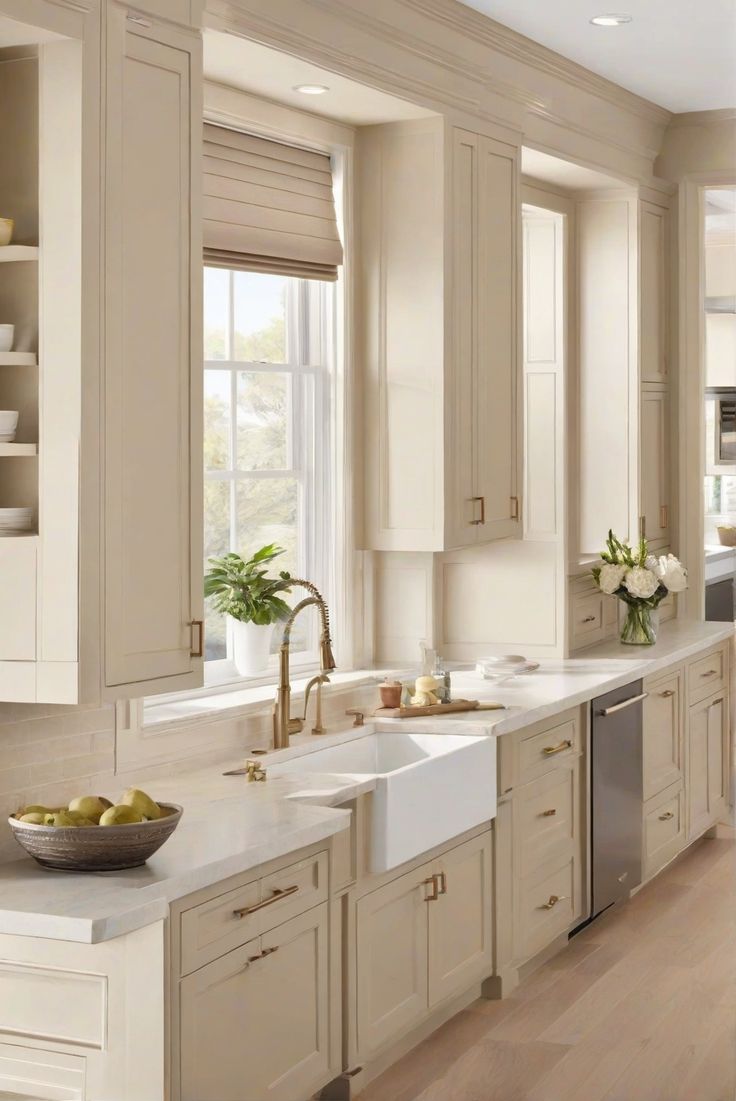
(642, 581)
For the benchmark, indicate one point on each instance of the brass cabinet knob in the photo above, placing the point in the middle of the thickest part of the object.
(666, 816)
(549, 813)
(552, 902)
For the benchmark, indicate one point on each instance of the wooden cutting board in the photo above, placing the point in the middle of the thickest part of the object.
(435, 709)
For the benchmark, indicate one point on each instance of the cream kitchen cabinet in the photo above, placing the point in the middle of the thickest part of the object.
(152, 374)
(655, 465)
(707, 762)
(439, 232)
(654, 292)
(256, 1023)
(104, 594)
(663, 732)
(420, 939)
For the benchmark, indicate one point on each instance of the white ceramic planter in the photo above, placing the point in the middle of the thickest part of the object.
(251, 647)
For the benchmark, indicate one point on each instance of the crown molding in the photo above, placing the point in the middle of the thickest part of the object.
(703, 118)
(517, 46)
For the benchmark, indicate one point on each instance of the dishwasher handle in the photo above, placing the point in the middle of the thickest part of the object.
(624, 703)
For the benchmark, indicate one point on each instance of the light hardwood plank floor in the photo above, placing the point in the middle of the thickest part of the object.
(641, 1006)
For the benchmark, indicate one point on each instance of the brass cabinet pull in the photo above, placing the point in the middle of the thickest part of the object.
(710, 673)
(549, 750)
(667, 694)
(443, 883)
(714, 703)
(589, 619)
(261, 955)
(199, 652)
(435, 893)
(514, 508)
(666, 816)
(553, 900)
(278, 894)
(663, 516)
(548, 813)
(482, 510)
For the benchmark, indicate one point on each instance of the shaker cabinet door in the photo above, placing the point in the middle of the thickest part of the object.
(152, 378)
(655, 466)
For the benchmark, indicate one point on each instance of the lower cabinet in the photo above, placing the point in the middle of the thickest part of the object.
(420, 939)
(707, 761)
(255, 1023)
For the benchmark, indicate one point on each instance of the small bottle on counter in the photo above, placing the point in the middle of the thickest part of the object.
(442, 676)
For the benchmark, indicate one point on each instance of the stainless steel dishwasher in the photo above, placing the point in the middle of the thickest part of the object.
(616, 794)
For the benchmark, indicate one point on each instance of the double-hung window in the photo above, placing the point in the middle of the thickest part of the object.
(268, 359)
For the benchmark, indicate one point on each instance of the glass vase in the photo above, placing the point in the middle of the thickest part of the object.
(640, 625)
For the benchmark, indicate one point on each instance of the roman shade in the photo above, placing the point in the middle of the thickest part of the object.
(268, 207)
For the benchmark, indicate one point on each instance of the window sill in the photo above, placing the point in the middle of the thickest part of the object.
(165, 714)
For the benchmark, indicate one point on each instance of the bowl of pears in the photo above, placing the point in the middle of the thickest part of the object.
(92, 834)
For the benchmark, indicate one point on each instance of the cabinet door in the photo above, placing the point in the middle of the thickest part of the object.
(655, 466)
(653, 292)
(153, 454)
(707, 777)
(663, 734)
(460, 922)
(391, 959)
(496, 435)
(482, 416)
(255, 1023)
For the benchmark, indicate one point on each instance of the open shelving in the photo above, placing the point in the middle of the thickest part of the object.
(18, 359)
(10, 253)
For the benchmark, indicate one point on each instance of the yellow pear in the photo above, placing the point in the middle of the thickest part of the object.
(37, 808)
(141, 802)
(60, 819)
(79, 819)
(34, 818)
(121, 815)
(89, 806)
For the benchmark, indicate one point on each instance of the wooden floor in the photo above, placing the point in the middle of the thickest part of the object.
(640, 1007)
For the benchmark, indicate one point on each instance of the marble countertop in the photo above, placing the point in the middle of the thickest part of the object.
(230, 826)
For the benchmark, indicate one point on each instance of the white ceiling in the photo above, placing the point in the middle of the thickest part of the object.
(254, 68)
(677, 53)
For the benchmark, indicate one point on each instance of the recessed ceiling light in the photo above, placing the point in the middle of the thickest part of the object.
(311, 89)
(610, 19)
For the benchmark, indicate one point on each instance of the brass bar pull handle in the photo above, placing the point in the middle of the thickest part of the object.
(435, 893)
(666, 816)
(663, 516)
(549, 813)
(199, 652)
(482, 510)
(714, 703)
(667, 694)
(624, 703)
(553, 900)
(443, 883)
(549, 750)
(261, 955)
(278, 894)
(589, 619)
(710, 673)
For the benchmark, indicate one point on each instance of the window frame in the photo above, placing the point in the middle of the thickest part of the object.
(310, 365)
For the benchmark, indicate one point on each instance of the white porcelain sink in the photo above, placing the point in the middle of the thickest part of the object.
(429, 787)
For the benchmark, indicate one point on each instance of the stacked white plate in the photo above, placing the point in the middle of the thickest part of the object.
(15, 521)
(8, 425)
(508, 665)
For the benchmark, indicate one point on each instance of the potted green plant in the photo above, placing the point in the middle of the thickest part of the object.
(243, 590)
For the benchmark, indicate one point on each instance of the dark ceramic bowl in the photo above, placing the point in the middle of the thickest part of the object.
(96, 848)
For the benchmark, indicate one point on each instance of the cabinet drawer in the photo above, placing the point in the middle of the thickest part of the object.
(545, 818)
(545, 908)
(664, 828)
(544, 751)
(707, 675)
(227, 921)
(663, 744)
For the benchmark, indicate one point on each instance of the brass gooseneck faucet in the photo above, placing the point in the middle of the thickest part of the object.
(283, 724)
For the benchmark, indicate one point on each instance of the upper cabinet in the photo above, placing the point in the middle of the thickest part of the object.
(439, 229)
(153, 448)
(653, 268)
(101, 589)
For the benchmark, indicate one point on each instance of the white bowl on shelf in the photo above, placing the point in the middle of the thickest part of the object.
(8, 425)
(6, 231)
(7, 334)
